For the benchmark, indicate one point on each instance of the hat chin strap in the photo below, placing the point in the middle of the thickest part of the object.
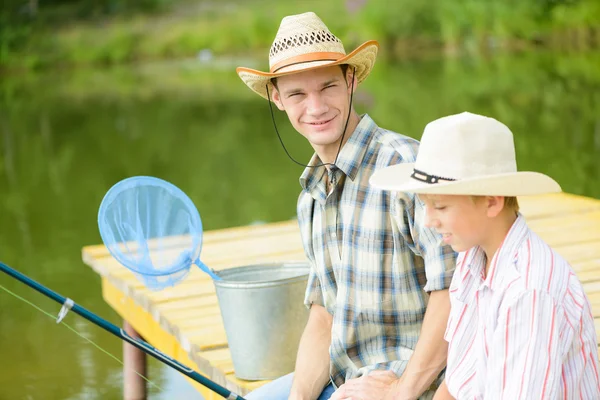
(343, 132)
(428, 178)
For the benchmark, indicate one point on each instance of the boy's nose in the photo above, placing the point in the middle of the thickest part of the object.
(431, 222)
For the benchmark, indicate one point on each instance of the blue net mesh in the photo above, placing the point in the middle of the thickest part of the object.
(145, 222)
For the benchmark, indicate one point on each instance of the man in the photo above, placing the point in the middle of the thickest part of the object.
(377, 289)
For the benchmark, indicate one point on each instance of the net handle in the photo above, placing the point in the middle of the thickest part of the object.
(207, 270)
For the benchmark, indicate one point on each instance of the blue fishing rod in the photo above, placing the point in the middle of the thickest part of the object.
(68, 304)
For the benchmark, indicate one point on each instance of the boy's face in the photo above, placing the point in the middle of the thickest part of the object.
(316, 103)
(461, 220)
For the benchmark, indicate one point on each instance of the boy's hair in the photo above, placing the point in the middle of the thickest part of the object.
(344, 68)
(510, 202)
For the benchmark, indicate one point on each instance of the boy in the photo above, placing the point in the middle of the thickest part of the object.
(520, 324)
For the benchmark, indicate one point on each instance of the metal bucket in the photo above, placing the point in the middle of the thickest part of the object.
(264, 316)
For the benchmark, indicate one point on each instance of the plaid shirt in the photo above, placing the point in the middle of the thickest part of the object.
(372, 259)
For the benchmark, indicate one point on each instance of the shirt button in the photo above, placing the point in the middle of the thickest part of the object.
(333, 234)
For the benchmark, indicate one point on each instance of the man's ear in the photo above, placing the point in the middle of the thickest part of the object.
(276, 97)
(349, 74)
(494, 204)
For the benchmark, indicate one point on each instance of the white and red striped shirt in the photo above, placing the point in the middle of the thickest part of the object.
(525, 331)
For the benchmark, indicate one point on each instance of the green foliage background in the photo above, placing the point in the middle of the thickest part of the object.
(106, 32)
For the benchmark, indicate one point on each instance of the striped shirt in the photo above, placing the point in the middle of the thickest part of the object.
(372, 259)
(525, 331)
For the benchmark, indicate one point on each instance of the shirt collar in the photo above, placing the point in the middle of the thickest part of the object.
(508, 251)
(348, 160)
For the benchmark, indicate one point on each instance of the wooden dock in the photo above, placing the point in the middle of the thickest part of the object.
(185, 322)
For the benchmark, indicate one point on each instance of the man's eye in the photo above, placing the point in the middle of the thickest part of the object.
(327, 87)
(440, 208)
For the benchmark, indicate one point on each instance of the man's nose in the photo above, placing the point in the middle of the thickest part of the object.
(316, 105)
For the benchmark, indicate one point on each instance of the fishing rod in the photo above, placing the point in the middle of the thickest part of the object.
(68, 304)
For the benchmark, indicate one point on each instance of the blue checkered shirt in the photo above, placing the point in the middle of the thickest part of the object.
(373, 261)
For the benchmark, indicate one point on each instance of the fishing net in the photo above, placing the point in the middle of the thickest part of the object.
(152, 228)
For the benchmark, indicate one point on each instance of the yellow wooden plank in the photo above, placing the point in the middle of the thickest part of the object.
(207, 337)
(219, 255)
(186, 314)
(568, 228)
(222, 235)
(565, 222)
(587, 265)
(185, 324)
(589, 276)
(191, 303)
(196, 284)
(580, 252)
(144, 324)
(218, 357)
(534, 207)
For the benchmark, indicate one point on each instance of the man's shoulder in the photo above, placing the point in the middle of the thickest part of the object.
(394, 146)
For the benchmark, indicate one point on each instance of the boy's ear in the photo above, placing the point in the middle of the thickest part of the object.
(495, 205)
(277, 99)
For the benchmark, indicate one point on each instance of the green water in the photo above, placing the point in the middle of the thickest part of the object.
(68, 136)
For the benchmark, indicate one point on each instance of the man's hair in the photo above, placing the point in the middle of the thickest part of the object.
(344, 68)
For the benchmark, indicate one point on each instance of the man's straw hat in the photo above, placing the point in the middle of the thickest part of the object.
(302, 43)
(465, 154)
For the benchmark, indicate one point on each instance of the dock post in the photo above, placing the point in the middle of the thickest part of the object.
(134, 360)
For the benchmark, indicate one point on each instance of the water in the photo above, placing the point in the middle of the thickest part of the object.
(67, 137)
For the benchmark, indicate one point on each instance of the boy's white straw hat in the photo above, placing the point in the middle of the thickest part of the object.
(465, 154)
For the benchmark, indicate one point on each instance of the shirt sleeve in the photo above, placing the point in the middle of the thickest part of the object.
(314, 293)
(440, 259)
(524, 357)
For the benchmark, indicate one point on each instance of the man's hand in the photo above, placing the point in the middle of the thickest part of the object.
(374, 386)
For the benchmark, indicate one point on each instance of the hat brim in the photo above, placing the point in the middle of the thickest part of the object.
(362, 58)
(398, 178)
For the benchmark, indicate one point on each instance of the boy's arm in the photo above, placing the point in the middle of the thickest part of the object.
(524, 358)
(312, 364)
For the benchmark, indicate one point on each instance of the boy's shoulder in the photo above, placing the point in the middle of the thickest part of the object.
(543, 269)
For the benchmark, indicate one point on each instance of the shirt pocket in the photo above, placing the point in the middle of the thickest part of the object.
(371, 264)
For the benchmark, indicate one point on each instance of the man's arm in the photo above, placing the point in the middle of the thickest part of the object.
(312, 364)
(429, 357)
(442, 393)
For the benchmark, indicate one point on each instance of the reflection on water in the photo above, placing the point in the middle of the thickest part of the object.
(67, 138)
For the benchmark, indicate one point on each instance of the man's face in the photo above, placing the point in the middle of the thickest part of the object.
(316, 103)
(460, 219)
